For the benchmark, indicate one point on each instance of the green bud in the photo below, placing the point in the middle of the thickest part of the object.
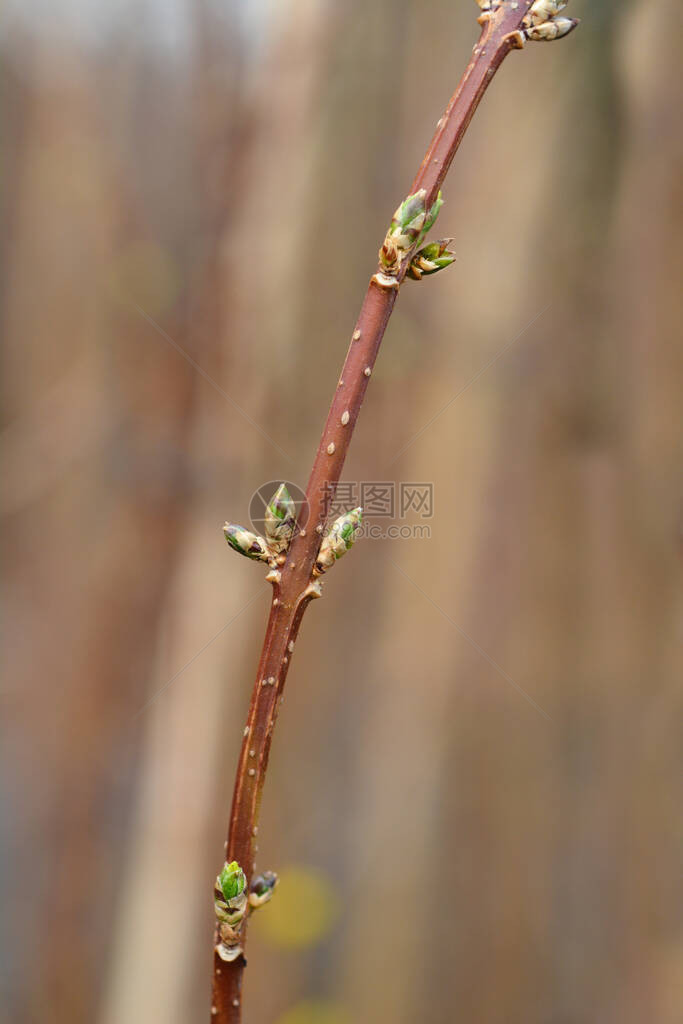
(408, 228)
(404, 231)
(280, 520)
(246, 543)
(262, 888)
(431, 258)
(340, 538)
(232, 881)
(410, 215)
(230, 903)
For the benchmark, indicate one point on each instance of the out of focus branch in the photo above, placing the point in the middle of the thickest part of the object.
(299, 556)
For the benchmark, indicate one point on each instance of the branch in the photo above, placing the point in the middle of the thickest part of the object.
(505, 26)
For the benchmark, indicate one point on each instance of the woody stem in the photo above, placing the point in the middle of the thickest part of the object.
(292, 591)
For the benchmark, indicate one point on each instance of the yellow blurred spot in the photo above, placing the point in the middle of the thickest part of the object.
(302, 910)
(144, 274)
(315, 1012)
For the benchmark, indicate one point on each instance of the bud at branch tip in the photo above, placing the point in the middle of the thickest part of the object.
(540, 24)
(543, 24)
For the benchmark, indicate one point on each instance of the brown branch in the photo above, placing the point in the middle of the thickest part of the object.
(292, 587)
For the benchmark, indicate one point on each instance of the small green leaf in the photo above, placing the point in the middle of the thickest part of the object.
(433, 213)
(281, 504)
(232, 880)
(411, 209)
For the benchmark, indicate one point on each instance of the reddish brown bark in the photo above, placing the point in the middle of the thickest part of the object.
(292, 593)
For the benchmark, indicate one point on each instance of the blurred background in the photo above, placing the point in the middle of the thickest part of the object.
(474, 796)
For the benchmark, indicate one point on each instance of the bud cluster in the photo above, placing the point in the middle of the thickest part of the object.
(280, 517)
(409, 226)
(543, 24)
(431, 258)
(232, 905)
(280, 523)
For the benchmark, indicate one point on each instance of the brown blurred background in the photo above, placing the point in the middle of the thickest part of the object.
(194, 193)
